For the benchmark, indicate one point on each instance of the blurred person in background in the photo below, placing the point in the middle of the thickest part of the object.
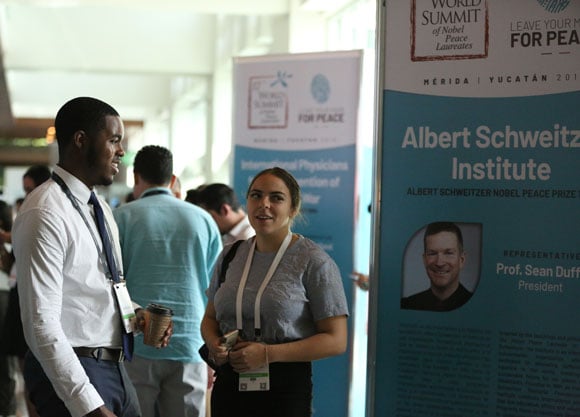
(169, 249)
(7, 381)
(221, 202)
(192, 195)
(13, 335)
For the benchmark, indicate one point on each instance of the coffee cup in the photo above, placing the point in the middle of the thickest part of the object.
(157, 320)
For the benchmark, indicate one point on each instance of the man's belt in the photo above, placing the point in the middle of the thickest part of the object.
(101, 353)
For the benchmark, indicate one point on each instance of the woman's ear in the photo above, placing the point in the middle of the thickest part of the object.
(293, 213)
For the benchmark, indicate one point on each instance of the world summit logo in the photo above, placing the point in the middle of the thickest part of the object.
(449, 30)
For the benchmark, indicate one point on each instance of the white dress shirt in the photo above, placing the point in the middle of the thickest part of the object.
(65, 297)
(241, 231)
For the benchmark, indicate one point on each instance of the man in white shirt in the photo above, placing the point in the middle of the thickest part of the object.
(70, 309)
(221, 202)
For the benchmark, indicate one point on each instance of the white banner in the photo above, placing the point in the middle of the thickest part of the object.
(299, 112)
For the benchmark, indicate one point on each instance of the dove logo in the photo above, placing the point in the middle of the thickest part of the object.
(554, 6)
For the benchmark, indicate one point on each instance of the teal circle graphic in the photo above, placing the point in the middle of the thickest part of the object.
(320, 88)
(554, 6)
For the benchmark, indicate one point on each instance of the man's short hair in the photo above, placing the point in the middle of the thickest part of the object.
(81, 113)
(192, 195)
(38, 174)
(214, 196)
(438, 227)
(154, 164)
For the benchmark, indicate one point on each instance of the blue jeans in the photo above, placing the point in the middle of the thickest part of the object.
(109, 378)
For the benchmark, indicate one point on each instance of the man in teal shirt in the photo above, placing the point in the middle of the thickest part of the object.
(169, 250)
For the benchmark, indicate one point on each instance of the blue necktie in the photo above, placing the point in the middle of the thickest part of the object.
(99, 216)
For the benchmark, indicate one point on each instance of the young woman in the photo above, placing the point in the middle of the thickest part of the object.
(284, 295)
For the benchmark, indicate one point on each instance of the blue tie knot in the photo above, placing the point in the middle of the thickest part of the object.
(94, 200)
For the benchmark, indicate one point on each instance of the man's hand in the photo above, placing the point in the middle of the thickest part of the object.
(102, 411)
(167, 335)
(139, 324)
(140, 321)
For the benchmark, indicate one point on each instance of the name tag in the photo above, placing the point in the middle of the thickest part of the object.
(125, 305)
(255, 380)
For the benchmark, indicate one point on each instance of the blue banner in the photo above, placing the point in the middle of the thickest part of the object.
(299, 113)
(478, 240)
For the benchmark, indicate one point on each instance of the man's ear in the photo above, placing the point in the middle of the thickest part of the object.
(225, 209)
(80, 139)
(462, 260)
(136, 178)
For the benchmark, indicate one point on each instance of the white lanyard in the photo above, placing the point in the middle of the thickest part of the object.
(267, 278)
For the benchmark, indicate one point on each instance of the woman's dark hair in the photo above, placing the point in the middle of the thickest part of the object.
(289, 180)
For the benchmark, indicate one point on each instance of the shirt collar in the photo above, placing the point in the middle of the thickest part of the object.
(76, 186)
(155, 190)
(239, 227)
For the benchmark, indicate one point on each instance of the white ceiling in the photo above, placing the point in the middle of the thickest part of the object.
(123, 51)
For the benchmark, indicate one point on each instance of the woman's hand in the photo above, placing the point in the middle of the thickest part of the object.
(245, 356)
(218, 353)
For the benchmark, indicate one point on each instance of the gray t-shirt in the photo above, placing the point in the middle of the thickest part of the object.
(306, 287)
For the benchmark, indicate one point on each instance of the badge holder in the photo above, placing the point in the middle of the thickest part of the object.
(125, 305)
(255, 380)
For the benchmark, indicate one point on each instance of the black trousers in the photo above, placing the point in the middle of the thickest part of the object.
(290, 393)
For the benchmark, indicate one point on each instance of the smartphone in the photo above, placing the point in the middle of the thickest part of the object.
(229, 339)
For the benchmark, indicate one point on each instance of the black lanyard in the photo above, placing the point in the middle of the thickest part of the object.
(73, 200)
